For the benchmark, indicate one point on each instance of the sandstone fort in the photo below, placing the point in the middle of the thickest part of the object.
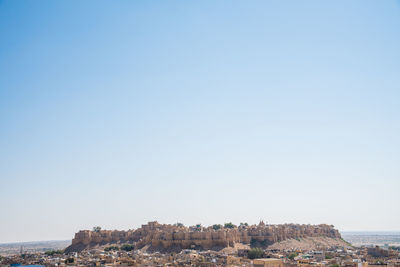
(164, 237)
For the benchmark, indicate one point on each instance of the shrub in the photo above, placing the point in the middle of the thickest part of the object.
(217, 226)
(96, 229)
(127, 247)
(69, 260)
(255, 253)
(111, 248)
(229, 225)
(292, 256)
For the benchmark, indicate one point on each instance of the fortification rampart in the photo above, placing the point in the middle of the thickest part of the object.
(166, 236)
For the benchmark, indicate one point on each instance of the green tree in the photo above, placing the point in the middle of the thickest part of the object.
(255, 253)
(69, 260)
(53, 252)
(229, 225)
(111, 248)
(217, 226)
(127, 247)
(96, 229)
(179, 224)
(292, 256)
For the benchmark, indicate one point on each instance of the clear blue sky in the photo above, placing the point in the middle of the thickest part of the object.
(114, 113)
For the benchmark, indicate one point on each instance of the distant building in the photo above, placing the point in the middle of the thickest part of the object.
(267, 263)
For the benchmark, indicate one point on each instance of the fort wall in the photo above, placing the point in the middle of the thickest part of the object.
(166, 236)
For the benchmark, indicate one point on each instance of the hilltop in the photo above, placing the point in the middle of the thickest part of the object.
(154, 236)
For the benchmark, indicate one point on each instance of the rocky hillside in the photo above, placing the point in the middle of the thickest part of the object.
(309, 243)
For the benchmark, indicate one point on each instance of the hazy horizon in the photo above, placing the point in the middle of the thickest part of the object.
(70, 239)
(118, 113)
